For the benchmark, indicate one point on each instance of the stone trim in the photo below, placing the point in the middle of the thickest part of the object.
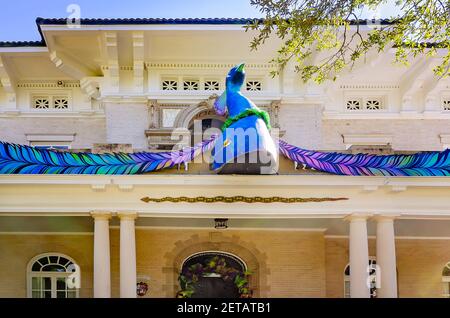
(217, 241)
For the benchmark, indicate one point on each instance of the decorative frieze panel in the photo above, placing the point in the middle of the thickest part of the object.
(212, 85)
(199, 84)
(44, 102)
(362, 103)
(61, 102)
(373, 104)
(253, 85)
(353, 104)
(169, 85)
(41, 102)
(446, 104)
(191, 85)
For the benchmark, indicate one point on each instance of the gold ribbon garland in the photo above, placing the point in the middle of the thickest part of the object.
(238, 198)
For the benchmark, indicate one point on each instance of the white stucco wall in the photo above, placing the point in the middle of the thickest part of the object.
(126, 123)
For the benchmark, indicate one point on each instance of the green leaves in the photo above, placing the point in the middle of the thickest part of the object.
(323, 37)
(214, 265)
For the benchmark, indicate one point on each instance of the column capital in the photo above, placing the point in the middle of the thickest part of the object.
(385, 217)
(127, 215)
(101, 215)
(357, 217)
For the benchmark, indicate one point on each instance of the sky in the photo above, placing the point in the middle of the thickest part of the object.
(17, 17)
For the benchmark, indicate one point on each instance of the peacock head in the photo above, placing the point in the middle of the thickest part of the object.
(235, 78)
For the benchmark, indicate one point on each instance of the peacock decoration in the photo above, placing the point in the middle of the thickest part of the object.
(226, 149)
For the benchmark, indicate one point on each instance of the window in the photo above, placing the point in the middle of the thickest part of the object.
(364, 103)
(211, 85)
(169, 116)
(446, 280)
(372, 273)
(446, 104)
(50, 102)
(191, 85)
(169, 85)
(50, 145)
(53, 276)
(60, 102)
(41, 102)
(353, 104)
(373, 104)
(253, 86)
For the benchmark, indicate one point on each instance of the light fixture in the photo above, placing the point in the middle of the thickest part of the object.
(220, 224)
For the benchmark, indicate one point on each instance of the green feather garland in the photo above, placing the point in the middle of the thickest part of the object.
(248, 112)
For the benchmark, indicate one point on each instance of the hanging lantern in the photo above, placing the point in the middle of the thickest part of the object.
(221, 224)
(141, 288)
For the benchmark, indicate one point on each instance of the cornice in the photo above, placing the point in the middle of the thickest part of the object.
(45, 84)
(194, 65)
(369, 86)
(48, 114)
(328, 115)
(230, 180)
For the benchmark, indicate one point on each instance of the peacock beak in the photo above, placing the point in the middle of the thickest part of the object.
(240, 67)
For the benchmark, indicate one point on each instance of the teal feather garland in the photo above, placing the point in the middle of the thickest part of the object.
(19, 159)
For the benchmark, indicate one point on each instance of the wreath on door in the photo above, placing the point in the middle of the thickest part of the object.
(215, 265)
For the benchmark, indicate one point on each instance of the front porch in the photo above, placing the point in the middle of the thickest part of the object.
(302, 249)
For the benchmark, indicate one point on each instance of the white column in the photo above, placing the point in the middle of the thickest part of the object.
(359, 257)
(386, 260)
(102, 272)
(127, 255)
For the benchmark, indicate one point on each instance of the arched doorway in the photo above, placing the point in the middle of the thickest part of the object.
(205, 124)
(213, 275)
(203, 121)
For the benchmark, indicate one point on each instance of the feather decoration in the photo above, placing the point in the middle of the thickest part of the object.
(420, 164)
(19, 159)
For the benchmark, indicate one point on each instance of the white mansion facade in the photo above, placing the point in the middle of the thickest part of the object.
(125, 84)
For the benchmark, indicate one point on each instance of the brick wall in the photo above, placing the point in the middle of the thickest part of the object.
(290, 263)
(408, 135)
(126, 124)
(302, 124)
(285, 263)
(17, 250)
(88, 130)
(305, 127)
(419, 266)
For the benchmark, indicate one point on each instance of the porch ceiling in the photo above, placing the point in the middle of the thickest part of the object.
(421, 228)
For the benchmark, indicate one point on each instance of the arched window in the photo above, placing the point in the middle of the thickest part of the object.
(53, 275)
(446, 280)
(372, 273)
